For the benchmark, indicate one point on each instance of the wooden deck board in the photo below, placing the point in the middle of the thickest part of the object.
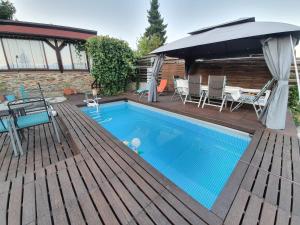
(92, 178)
(40, 150)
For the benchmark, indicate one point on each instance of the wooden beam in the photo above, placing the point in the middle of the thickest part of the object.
(87, 61)
(71, 57)
(5, 56)
(58, 55)
(50, 44)
(46, 61)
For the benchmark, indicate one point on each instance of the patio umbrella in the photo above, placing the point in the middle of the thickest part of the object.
(152, 95)
(278, 54)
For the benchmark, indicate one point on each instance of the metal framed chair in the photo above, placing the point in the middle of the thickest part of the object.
(143, 91)
(176, 92)
(258, 101)
(216, 91)
(195, 92)
(6, 127)
(30, 112)
(31, 92)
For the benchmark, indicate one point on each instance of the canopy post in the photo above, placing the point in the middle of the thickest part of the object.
(296, 67)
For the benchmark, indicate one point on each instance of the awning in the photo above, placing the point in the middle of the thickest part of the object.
(236, 38)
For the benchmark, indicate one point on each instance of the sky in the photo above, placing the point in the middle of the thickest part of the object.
(127, 19)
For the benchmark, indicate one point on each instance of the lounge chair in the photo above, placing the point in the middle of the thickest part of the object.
(6, 127)
(162, 86)
(216, 91)
(32, 112)
(195, 93)
(258, 101)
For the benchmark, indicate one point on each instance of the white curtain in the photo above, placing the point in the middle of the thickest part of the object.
(159, 60)
(278, 56)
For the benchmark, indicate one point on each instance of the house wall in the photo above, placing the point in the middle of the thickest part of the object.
(241, 73)
(52, 82)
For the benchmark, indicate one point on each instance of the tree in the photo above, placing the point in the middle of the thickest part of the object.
(7, 10)
(156, 22)
(112, 63)
(146, 45)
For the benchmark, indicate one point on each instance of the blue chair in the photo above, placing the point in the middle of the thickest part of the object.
(31, 112)
(26, 93)
(142, 91)
(5, 127)
(10, 97)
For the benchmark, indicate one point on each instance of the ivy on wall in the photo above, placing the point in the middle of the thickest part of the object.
(112, 63)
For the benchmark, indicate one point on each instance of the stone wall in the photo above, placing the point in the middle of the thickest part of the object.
(52, 82)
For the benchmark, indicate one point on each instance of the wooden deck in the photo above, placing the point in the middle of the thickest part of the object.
(94, 179)
(40, 150)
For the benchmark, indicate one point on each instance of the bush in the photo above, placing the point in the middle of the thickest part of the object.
(112, 63)
(294, 104)
(293, 97)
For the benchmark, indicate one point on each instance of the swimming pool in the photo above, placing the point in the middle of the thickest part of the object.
(198, 157)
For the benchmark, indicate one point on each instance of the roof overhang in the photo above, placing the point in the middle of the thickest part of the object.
(38, 30)
(239, 39)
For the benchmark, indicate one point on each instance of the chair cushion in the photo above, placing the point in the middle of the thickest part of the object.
(3, 128)
(32, 119)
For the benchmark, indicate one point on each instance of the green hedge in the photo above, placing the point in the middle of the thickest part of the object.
(294, 104)
(112, 63)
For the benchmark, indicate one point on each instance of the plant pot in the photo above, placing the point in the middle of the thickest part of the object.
(69, 91)
(2, 98)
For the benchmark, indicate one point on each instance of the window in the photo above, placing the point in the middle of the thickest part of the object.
(24, 54)
(66, 58)
(79, 58)
(3, 65)
(51, 57)
(37, 54)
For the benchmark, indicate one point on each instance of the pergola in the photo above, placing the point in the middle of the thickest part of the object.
(242, 38)
(54, 35)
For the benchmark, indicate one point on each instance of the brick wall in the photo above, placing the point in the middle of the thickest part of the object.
(52, 82)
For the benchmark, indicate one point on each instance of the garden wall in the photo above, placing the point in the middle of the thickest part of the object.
(52, 82)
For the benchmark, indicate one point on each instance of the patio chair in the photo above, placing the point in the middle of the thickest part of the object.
(30, 113)
(142, 91)
(216, 91)
(6, 127)
(195, 93)
(162, 86)
(176, 91)
(258, 101)
(26, 93)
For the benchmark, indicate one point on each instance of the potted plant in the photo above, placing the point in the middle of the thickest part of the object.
(67, 89)
(3, 90)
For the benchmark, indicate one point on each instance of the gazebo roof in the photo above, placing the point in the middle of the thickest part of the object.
(239, 37)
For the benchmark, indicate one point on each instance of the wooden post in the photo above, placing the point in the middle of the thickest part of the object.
(295, 65)
(58, 55)
(87, 61)
(73, 67)
(5, 56)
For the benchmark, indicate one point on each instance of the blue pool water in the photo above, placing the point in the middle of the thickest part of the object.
(198, 157)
